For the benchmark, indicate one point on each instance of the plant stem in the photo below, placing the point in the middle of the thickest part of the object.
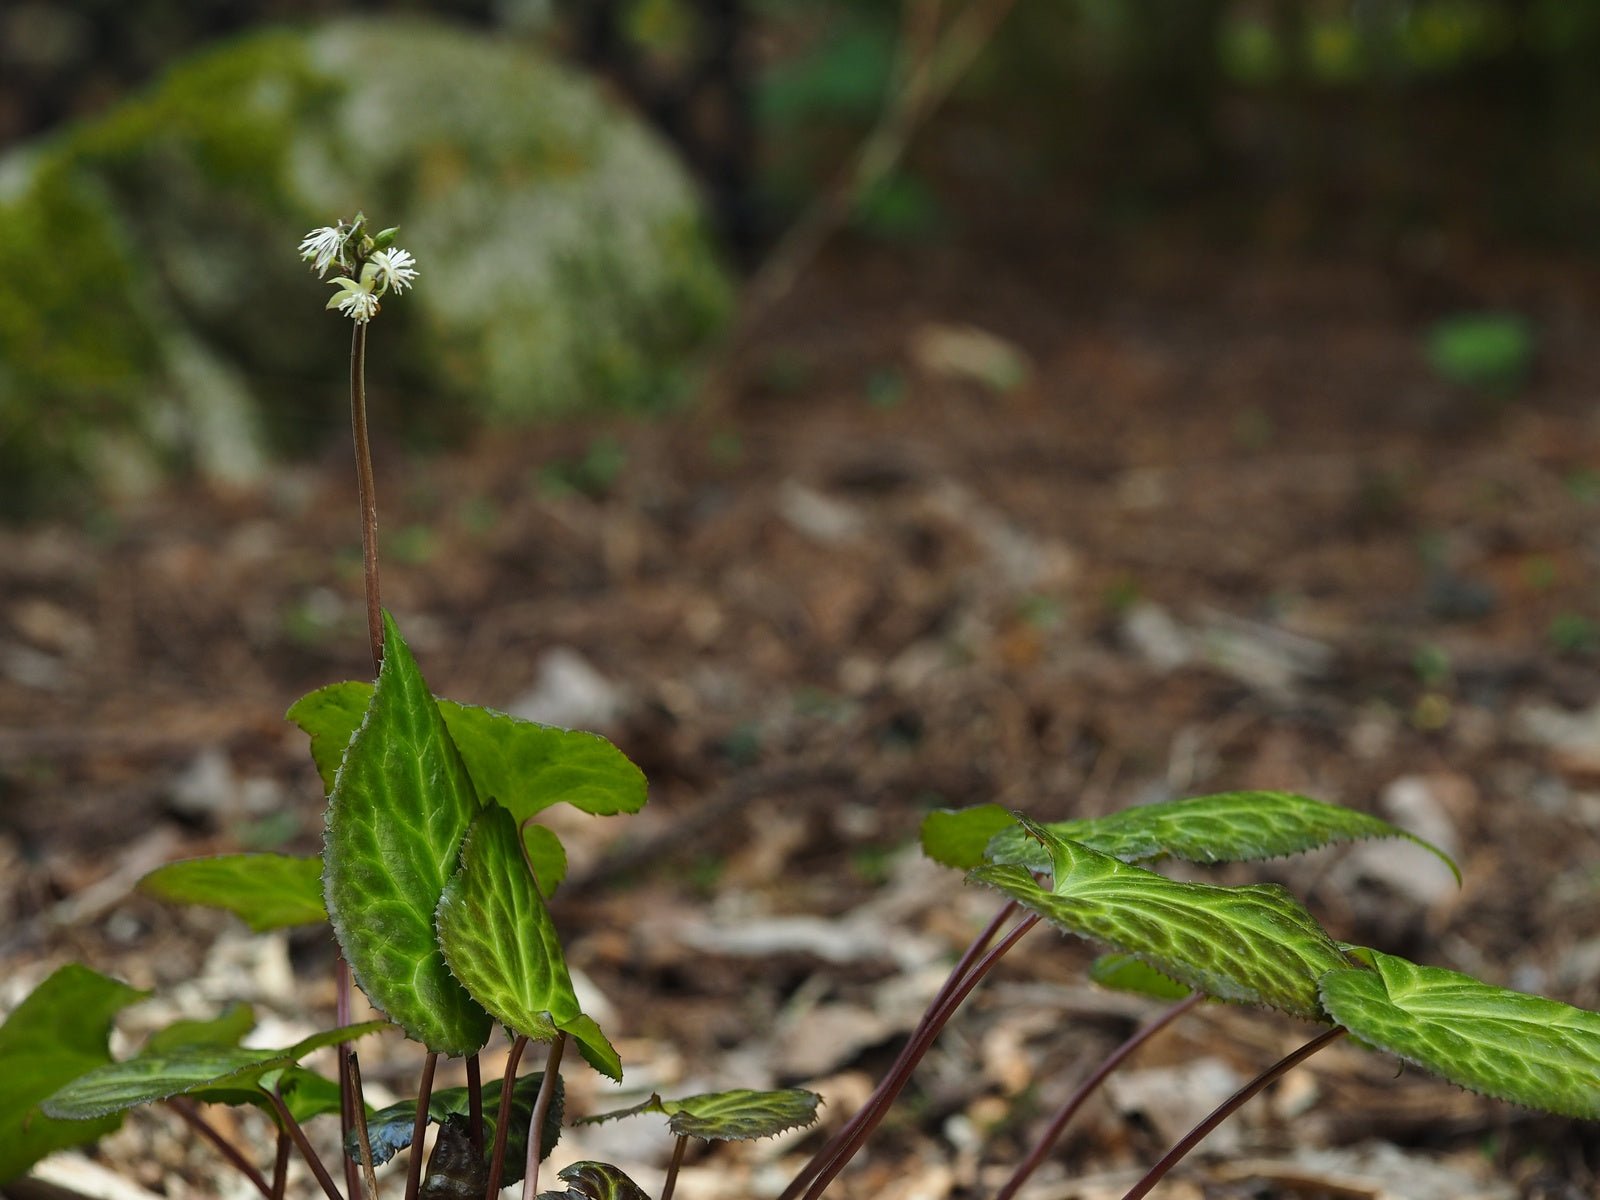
(286, 1118)
(419, 1127)
(280, 1165)
(475, 1104)
(1227, 1108)
(185, 1108)
(672, 1167)
(497, 1160)
(1052, 1133)
(366, 488)
(368, 1171)
(541, 1106)
(824, 1156)
(898, 1076)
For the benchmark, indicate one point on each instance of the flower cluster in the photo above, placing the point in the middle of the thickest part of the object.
(370, 266)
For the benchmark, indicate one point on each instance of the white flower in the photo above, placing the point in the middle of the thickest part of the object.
(321, 247)
(395, 269)
(355, 300)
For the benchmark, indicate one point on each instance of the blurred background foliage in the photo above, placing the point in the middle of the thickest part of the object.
(1384, 125)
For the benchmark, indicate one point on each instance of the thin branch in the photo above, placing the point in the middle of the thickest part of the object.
(541, 1106)
(825, 1156)
(475, 1104)
(1227, 1108)
(367, 489)
(1087, 1088)
(313, 1160)
(672, 1167)
(185, 1108)
(368, 1171)
(280, 1164)
(897, 1078)
(497, 1160)
(419, 1127)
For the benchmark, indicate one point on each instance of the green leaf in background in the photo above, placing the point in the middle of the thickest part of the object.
(1228, 827)
(499, 940)
(1255, 944)
(957, 837)
(523, 765)
(1125, 973)
(728, 1116)
(389, 1129)
(270, 891)
(225, 1030)
(117, 1087)
(1510, 1045)
(595, 1181)
(1488, 352)
(399, 808)
(57, 1034)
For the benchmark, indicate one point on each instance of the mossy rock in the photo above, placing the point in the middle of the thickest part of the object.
(154, 315)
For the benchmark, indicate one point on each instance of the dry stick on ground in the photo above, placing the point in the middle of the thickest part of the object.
(368, 1171)
(1087, 1088)
(474, 1104)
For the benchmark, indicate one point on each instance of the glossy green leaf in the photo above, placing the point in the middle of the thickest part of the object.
(595, 1181)
(1229, 827)
(58, 1033)
(728, 1116)
(1255, 944)
(1526, 1049)
(228, 1029)
(957, 837)
(389, 1130)
(270, 891)
(399, 808)
(305, 1093)
(117, 1087)
(499, 940)
(1125, 973)
(521, 764)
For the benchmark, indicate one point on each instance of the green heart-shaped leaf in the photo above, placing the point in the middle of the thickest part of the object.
(500, 942)
(957, 837)
(117, 1087)
(728, 1116)
(389, 1130)
(595, 1181)
(1526, 1049)
(270, 891)
(1125, 973)
(56, 1035)
(521, 764)
(399, 808)
(1229, 827)
(1255, 944)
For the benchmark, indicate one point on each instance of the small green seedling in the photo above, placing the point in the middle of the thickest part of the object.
(434, 879)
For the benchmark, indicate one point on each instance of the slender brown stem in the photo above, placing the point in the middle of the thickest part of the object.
(897, 1078)
(185, 1108)
(1226, 1109)
(367, 489)
(1087, 1088)
(419, 1127)
(475, 1104)
(497, 1160)
(541, 1106)
(672, 1167)
(831, 1148)
(348, 1099)
(307, 1152)
(368, 1171)
(280, 1165)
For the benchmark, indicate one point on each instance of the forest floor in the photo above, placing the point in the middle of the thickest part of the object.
(1170, 522)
